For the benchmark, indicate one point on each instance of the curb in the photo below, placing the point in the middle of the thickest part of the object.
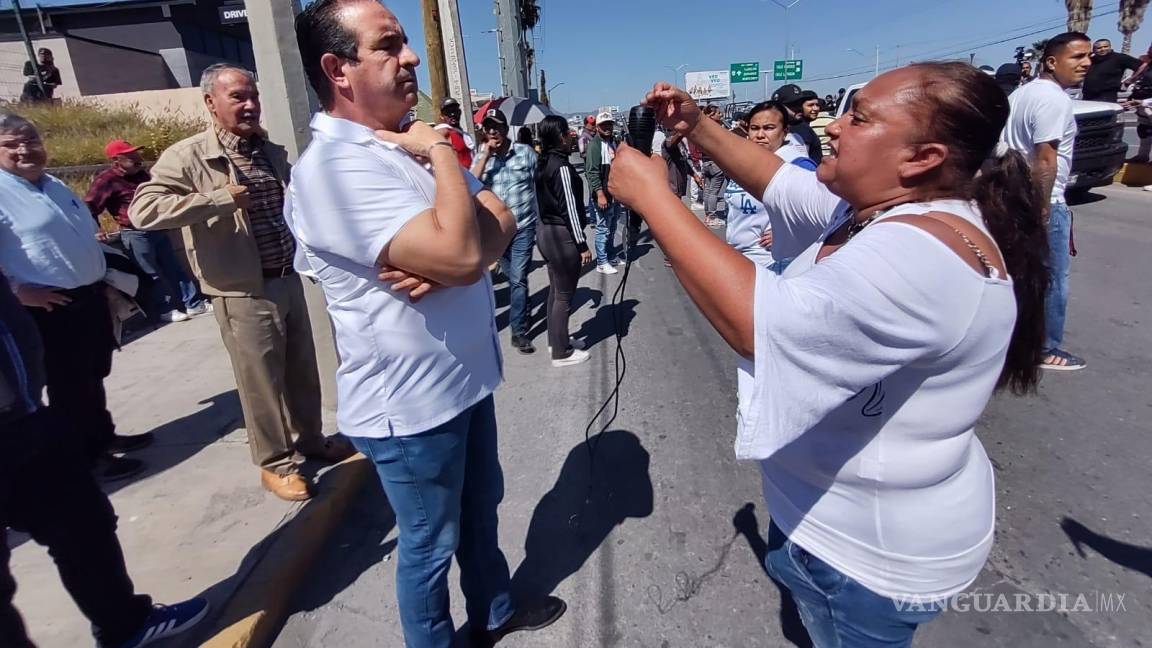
(256, 610)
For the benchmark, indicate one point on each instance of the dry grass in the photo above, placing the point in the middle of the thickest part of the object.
(75, 131)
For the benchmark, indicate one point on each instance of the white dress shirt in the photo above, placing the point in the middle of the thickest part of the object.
(404, 368)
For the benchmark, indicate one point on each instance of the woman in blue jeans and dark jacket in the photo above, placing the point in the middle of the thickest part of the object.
(560, 235)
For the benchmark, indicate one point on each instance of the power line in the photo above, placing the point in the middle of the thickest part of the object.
(965, 43)
(939, 53)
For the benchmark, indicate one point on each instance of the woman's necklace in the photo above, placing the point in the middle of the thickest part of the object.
(856, 227)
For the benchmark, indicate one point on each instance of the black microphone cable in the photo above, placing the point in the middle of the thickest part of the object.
(641, 130)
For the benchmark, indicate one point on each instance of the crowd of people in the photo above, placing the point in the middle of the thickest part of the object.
(881, 276)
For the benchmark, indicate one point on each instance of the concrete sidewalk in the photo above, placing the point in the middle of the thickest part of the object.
(196, 520)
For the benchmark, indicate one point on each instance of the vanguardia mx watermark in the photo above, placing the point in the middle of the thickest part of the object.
(1095, 601)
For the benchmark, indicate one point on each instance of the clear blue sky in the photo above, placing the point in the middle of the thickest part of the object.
(609, 52)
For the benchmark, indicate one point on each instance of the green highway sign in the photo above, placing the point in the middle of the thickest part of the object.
(792, 70)
(744, 72)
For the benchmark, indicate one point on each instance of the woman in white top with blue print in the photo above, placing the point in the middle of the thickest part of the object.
(751, 230)
(877, 349)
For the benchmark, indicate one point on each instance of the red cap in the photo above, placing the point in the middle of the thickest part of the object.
(119, 147)
(590, 119)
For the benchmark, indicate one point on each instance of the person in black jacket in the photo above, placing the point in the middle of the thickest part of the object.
(47, 490)
(42, 90)
(560, 235)
(794, 99)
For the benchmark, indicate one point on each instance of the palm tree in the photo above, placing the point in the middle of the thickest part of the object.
(1038, 48)
(1131, 15)
(1079, 14)
(529, 13)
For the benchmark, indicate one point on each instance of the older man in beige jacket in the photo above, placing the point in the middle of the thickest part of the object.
(224, 188)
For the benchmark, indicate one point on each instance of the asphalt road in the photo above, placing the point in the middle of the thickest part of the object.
(661, 550)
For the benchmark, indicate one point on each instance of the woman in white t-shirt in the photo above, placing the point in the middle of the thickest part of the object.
(751, 229)
(877, 349)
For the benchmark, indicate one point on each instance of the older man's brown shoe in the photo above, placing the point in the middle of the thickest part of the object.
(292, 487)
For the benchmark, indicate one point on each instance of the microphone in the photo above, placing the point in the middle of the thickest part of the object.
(641, 128)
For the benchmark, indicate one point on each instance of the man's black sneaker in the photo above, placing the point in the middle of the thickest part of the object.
(168, 620)
(131, 442)
(523, 344)
(534, 616)
(110, 468)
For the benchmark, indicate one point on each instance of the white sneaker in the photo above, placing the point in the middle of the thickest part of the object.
(174, 316)
(620, 261)
(605, 268)
(204, 308)
(578, 356)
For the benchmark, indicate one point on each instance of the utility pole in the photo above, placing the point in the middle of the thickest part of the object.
(288, 106)
(877, 72)
(28, 46)
(288, 101)
(456, 61)
(513, 75)
(433, 39)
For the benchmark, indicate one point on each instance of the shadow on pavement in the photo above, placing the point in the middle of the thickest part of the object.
(179, 439)
(602, 326)
(358, 546)
(176, 441)
(1126, 555)
(1077, 198)
(582, 295)
(538, 300)
(746, 524)
(248, 590)
(602, 483)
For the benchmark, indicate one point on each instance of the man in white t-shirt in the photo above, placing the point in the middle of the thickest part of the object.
(1042, 126)
(400, 237)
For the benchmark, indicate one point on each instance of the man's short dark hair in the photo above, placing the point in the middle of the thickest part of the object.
(1057, 44)
(320, 31)
(1102, 40)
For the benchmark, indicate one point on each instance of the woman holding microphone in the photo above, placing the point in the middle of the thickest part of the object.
(877, 349)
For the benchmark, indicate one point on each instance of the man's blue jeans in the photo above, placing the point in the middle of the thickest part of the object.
(515, 264)
(153, 252)
(605, 220)
(1059, 262)
(837, 611)
(445, 486)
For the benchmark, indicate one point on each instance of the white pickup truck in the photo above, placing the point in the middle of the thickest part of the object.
(1099, 151)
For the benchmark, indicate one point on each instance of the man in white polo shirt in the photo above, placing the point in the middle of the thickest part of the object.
(419, 355)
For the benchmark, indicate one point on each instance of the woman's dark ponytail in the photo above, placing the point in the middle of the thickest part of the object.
(1012, 210)
(964, 109)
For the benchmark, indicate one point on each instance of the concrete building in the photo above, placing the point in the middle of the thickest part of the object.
(116, 46)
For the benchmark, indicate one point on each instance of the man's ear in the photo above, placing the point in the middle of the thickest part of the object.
(333, 67)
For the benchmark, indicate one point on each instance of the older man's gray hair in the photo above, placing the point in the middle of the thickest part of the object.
(10, 122)
(208, 77)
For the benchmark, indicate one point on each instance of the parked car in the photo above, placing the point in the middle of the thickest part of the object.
(1099, 151)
